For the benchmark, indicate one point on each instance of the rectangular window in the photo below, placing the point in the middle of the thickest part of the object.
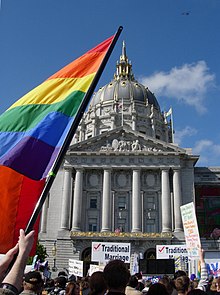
(122, 224)
(150, 226)
(93, 203)
(93, 224)
(151, 203)
(121, 203)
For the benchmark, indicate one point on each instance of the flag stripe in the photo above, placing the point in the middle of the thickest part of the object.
(20, 195)
(54, 91)
(8, 206)
(85, 65)
(30, 115)
(61, 124)
(29, 158)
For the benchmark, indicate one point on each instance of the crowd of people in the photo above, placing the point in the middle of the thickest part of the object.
(114, 280)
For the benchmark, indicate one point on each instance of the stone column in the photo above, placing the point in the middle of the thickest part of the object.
(43, 224)
(77, 201)
(134, 119)
(177, 198)
(165, 201)
(67, 196)
(136, 202)
(106, 201)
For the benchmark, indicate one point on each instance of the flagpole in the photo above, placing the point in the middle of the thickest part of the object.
(122, 112)
(70, 134)
(172, 125)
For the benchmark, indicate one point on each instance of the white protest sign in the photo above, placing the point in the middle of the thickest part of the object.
(103, 252)
(190, 229)
(76, 267)
(93, 268)
(171, 251)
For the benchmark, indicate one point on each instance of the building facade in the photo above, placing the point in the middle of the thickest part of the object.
(123, 178)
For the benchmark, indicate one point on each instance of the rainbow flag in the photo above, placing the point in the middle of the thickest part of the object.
(32, 131)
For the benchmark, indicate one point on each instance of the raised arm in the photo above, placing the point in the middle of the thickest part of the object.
(13, 280)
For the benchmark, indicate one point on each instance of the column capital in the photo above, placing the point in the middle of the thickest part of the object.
(107, 168)
(79, 169)
(68, 167)
(136, 169)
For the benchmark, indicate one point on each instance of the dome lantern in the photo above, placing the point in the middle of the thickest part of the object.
(124, 68)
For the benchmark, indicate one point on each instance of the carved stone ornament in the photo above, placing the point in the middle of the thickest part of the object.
(128, 145)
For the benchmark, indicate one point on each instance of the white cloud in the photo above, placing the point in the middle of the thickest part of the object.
(181, 134)
(209, 152)
(188, 84)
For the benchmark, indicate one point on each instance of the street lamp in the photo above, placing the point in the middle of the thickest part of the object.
(54, 254)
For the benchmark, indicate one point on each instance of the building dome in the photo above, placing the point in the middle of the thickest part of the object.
(124, 102)
(124, 86)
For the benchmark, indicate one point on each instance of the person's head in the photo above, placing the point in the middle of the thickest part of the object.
(218, 284)
(133, 281)
(72, 289)
(97, 283)
(179, 273)
(116, 275)
(72, 279)
(156, 289)
(60, 282)
(182, 284)
(166, 282)
(138, 275)
(213, 286)
(33, 281)
(194, 284)
(62, 274)
(84, 283)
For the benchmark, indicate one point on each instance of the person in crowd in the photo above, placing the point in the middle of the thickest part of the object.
(48, 286)
(32, 283)
(218, 285)
(147, 285)
(211, 285)
(165, 280)
(140, 285)
(177, 274)
(72, 288)
(72, 279)
(116, 276)
(62, 274)
(132, 285)
(12, 281)
(194, 283)
(203, 282)
(59, 286)
(182, 285)
(97, 284)
(157, 289)
(84, 285)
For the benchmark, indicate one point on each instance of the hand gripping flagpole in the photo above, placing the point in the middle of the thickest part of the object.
(70, 134)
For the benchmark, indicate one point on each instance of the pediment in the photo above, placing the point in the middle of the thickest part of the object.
(124, 141)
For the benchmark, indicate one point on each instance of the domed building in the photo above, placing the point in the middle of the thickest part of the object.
(123, 179)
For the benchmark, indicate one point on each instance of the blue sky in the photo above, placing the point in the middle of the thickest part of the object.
(174, 46)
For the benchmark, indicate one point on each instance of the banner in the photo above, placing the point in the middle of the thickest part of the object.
(190, 229)
(171, 251)
(103, 252)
